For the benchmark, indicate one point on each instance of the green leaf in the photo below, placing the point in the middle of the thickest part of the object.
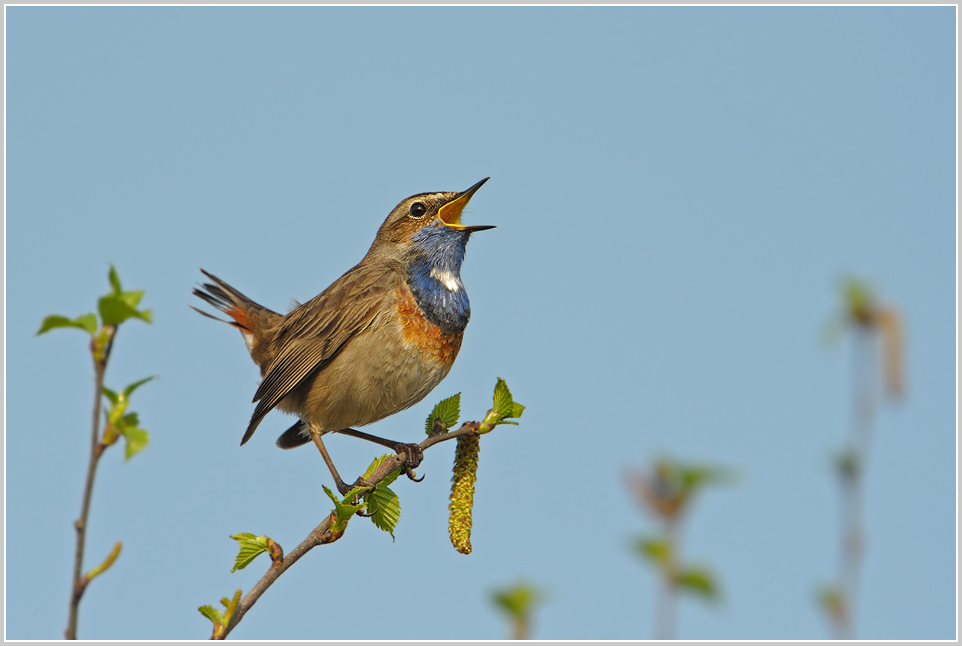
(212, 613)
(858, 297)
(103, 567)
(374, 466)
(114, 281)
(503, 401)
(832, 601)
(111, 395)
(86, 322)
(230, 606)
(137, 438)
(383, 505)
(698, 581)
(114, 310)
(657, 550)
(250, 548)
(447, 410)
(131, 298)
(128, 391)
(517, 601)
(695, 477)
(846, 463)
(343, 510)
(504, 408)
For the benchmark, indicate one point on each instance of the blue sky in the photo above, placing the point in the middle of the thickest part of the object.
(677, 193)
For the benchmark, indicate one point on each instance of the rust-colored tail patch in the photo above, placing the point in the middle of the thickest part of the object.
(231, 302)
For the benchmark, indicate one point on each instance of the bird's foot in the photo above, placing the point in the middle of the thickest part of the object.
(410, 454)
(409, 472)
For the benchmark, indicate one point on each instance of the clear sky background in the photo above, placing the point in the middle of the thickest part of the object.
(677, 194)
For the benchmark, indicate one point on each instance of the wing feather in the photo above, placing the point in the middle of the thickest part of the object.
(313, 334)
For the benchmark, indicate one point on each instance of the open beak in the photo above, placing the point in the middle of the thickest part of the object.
(450, 213)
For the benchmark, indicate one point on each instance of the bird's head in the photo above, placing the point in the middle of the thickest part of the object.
(428, 224)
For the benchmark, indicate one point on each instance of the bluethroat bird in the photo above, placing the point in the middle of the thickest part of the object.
(375, 342)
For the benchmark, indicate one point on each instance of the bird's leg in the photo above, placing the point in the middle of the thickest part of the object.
(412, 453)
(316, 436)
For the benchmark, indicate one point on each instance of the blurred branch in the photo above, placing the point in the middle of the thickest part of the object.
(518, 603)
(876, 335)
(667, 491)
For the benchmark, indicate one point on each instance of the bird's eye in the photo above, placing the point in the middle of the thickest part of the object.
(418, 210)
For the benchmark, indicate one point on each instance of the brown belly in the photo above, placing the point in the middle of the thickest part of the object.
(388, 368)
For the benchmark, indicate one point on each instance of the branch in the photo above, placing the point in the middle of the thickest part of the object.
(100, 352)
(323, 534)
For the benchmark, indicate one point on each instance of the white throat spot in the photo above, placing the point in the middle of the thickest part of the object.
(446, 278)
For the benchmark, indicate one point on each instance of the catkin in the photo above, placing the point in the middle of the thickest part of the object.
(462, 492)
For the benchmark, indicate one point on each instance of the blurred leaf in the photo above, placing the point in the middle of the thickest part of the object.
(114, 310)
(657, 550)
(114, 281)
(447, 410)
(120, 421)
(698, 581)
(86, 322)
(858, 300)
(694, 477)
(846, 463)
(832, 602)
(517, 601)
(111, 395)
(128, 391)
(137, 439)
(131, 298)
(100, 569)
(118, 306)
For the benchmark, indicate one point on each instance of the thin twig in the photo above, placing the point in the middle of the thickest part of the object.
(322, 534)
(852, 531)
(96, 450)
(668, 595)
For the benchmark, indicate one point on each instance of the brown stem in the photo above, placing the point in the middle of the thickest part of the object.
(668, 594)
(519, 628)
(852, 531)
(96, 449)
(322, 534)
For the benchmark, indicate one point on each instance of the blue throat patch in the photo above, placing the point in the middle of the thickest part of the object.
(434, 276)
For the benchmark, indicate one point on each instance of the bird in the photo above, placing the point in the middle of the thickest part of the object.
(372, 344)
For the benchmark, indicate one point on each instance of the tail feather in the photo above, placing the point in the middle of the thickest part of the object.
(228, 300)
(254, 322)
(295, 436)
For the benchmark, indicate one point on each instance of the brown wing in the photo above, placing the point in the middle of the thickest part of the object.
(315, 332)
